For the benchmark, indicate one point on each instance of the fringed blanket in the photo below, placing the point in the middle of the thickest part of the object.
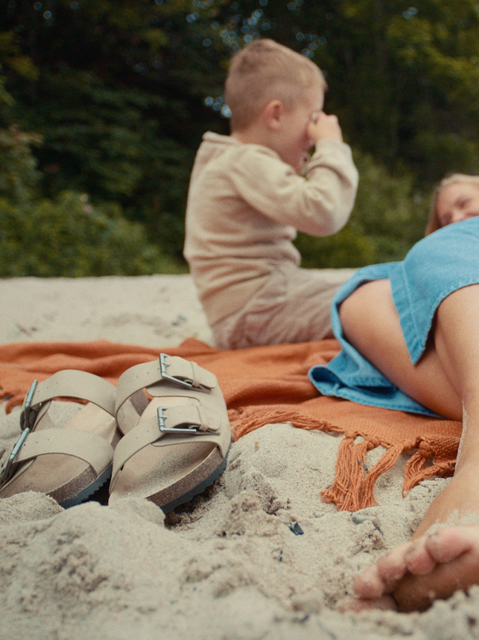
(264, 385)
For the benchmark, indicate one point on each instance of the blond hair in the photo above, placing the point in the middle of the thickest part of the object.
(265, 70)
(433, 223)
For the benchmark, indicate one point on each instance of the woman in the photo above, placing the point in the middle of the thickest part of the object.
(463, 188)
(410, 338)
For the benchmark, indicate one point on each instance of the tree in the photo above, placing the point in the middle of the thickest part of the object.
(404, 80)
(119, 112)
(121, 91)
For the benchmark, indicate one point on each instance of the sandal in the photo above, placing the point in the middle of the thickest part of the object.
(176, 443)
(67, 463)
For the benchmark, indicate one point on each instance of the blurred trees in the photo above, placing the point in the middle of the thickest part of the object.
(113, 88)
(403, 80)
(69, 237)
(110, 99)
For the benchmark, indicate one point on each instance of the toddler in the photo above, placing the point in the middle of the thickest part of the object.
(247, 198)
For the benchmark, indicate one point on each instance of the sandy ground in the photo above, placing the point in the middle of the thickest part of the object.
(229, 565)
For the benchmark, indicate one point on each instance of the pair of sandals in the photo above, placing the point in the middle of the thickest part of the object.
(162, 433)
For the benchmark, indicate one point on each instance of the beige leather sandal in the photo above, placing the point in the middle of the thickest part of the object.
(176, 443)
(67, 463)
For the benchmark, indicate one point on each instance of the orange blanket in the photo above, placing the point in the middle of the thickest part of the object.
(264, 385)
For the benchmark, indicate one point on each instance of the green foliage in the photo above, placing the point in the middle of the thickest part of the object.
(12, 57)
(5, 97)
(67, 236)
(120, 92)
(403, 80)
(348, 248)
(70, 237)
(18, 173)
(388, 209)
(388, 218)
(118, 100)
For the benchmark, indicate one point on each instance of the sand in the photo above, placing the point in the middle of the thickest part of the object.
(259, 556)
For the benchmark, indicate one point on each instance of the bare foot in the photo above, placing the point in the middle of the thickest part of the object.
(415, 574)
(349, 603)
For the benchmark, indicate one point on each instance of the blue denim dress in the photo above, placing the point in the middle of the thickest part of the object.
(436, 266)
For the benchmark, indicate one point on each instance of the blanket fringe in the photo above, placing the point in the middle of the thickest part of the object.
(246, 421)
(353, 486)
(386, 462)
(12, 399)
(416, 469)
(350, 467)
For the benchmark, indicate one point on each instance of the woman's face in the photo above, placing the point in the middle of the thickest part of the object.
(457, 202)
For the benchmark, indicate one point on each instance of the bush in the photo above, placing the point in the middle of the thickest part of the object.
(388, 218)
(19, 176)
(70, 237)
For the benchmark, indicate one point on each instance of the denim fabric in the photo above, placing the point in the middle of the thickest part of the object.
(436, 266)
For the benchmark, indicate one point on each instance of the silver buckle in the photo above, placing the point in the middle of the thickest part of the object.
(29, 414)
(164, 365)
(160, 412)
(27, 420)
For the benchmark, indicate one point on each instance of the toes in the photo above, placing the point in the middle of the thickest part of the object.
(418, 572)
(455, 552)
(381, 578)
(448, 544)
(392, 566)
(385, 603)
(369, 584)
(419, 561)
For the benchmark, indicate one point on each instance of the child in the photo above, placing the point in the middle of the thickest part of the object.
(246, 201)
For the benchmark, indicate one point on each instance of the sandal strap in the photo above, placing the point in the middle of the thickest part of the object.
(91, 448)
(170, 370)
(172, 426)
(187, 418)
(71, 383)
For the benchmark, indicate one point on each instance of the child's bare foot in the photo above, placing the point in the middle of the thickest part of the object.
(416, 573)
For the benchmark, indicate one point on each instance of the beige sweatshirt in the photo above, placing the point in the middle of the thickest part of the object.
(244, 207)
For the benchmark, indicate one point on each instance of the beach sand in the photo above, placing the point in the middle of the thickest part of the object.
(258, 556)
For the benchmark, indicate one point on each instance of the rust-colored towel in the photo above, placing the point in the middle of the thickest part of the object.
(265, 385)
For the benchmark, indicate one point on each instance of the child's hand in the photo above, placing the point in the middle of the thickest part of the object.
(324, 126)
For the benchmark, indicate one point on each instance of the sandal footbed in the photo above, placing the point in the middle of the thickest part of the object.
(67, 479)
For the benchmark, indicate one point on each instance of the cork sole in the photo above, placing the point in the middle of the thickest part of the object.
(67, 479)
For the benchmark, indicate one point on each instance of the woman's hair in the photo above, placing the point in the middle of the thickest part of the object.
(265, 70)
(433, 223)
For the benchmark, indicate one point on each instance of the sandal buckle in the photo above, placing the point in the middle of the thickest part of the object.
(27, 421)
(161, 413)
(29, 414)
(163, 365)
(185, 379)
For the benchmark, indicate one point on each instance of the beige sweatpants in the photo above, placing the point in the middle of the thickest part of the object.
(293, 306)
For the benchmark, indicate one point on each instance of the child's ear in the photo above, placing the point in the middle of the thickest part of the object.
(272, 114)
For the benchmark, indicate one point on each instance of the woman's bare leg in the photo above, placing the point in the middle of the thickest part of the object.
(445, 380)
(371, 324)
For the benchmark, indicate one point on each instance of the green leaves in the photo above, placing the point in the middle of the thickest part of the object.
(388, 218)
(19, 177)
(115, 90)
(70, 237)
